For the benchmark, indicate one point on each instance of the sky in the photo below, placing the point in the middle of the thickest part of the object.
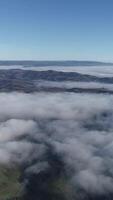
(56, 30)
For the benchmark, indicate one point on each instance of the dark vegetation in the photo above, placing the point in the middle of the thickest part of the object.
(25, 81)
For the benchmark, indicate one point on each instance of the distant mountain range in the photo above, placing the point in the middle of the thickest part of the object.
(30, 63)
(25, 81)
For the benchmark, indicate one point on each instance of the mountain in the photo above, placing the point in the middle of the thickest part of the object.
(30, 63)
(27, 81)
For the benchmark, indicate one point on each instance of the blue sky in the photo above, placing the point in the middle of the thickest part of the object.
(56, 29)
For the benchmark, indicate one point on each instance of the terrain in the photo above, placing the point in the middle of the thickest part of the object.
(31, 63)
(29, 81)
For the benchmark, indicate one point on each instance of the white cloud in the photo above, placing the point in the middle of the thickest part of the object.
(78, 126)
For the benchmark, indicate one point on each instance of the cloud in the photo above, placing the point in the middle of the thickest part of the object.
(13, 128)
(78, 127)
(70, 85)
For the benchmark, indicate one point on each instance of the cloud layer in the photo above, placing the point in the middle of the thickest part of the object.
(78, 127)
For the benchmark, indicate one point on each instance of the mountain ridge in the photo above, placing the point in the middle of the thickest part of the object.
(47, 63)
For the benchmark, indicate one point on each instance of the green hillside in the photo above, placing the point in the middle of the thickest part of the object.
(10, 187)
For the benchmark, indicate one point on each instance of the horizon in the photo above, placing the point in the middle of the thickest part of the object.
(52, 60)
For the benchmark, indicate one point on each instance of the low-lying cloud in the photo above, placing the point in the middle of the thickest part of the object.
(77, 126)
